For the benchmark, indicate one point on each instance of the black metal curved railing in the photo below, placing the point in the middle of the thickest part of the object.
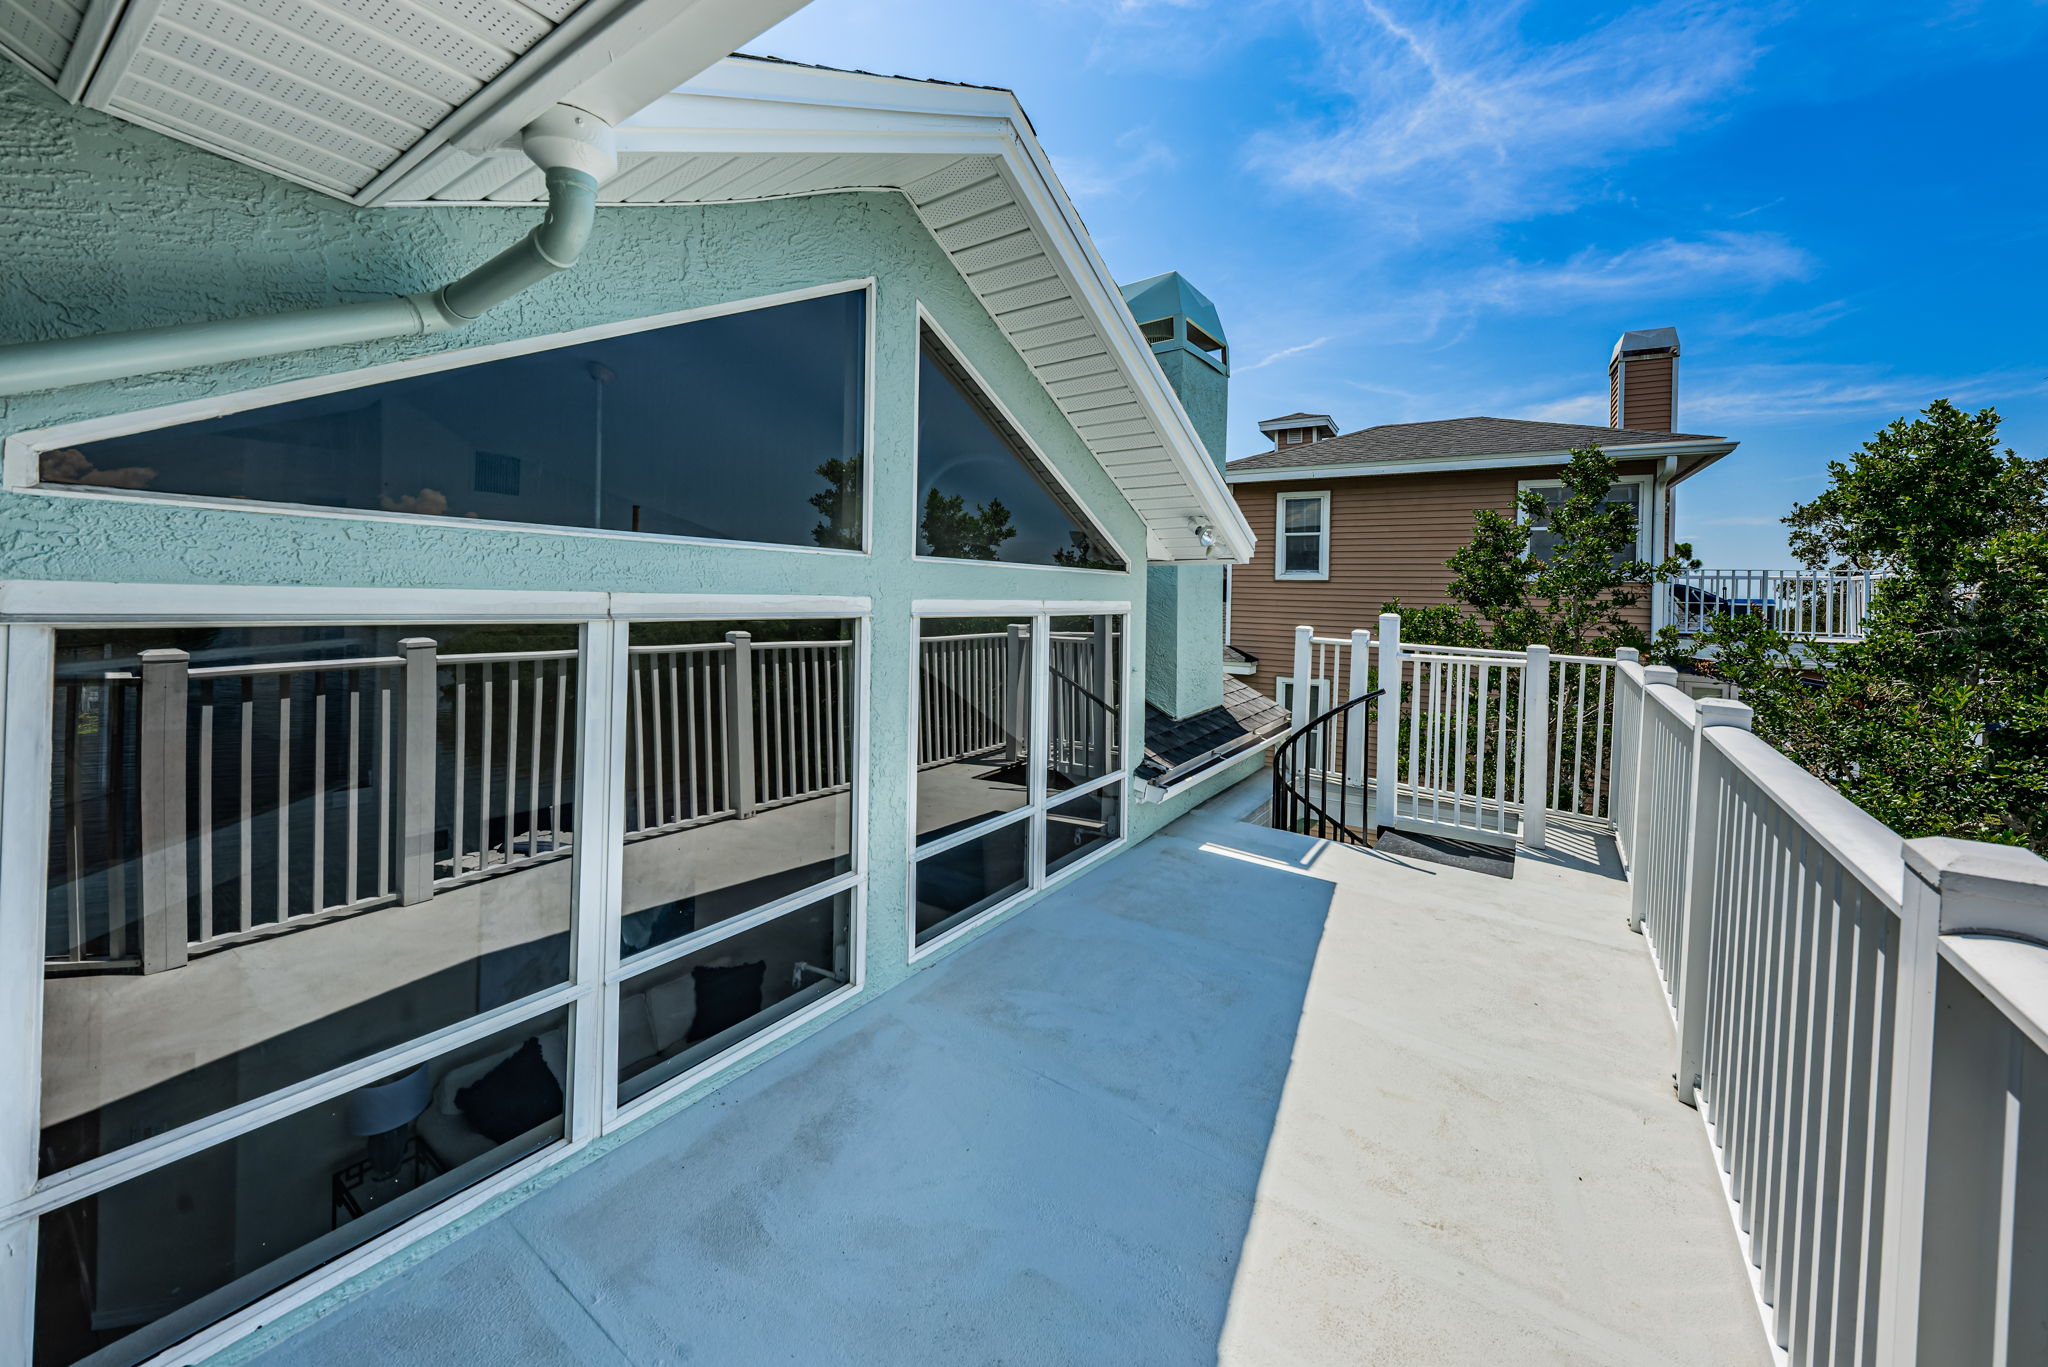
(1310, 761)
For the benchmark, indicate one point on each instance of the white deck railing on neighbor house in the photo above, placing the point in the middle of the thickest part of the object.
(1863, 1023)
(1802, 604)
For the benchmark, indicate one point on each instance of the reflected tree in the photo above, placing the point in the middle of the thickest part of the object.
(950, 530)
(838, 504)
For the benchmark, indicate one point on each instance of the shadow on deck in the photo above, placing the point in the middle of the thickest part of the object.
(1234, 1087)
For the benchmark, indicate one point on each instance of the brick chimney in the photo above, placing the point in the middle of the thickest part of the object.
(1642, 381)
(1298, 429)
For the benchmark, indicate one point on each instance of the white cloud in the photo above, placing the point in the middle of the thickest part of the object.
(1138, 153)
(1280, 355)
(1453, 116)
(1779, 393)
(1653, 270)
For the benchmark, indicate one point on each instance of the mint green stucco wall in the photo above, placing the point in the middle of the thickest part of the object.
(1184, 624)
(113, 227)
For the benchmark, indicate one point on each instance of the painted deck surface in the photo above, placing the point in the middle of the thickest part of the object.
(1231, 1092)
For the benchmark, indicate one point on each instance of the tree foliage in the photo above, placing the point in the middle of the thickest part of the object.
(950, 530)
(1936, 722)
(1581, 599)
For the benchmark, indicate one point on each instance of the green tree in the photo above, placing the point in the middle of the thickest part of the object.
(950, 530)
(1936, 722)
(1578, 599)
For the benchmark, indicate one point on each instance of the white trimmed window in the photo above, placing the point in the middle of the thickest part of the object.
(1302, 549)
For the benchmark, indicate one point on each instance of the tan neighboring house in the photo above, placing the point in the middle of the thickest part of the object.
(1349, 522)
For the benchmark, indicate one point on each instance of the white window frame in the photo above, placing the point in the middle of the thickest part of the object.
(1645, 516)
(1280, 535)
(1046, 466)
(21, 452)
(1040, 801)
(31, 613)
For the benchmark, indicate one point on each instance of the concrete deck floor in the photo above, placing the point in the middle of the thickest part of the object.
(1231, 1094)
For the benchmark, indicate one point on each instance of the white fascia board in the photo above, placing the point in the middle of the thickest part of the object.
(1654, 451)
(611, 57)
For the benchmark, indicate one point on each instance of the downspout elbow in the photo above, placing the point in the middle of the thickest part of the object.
(574, 147)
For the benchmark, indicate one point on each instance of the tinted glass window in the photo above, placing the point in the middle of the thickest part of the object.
(1084, 736)
(958, 884)
(981, 495)
(739, 765)
(745, 427)
(201, 1237)
(369, 841)
(974, 721)
(1303, 535)
(673, 1017)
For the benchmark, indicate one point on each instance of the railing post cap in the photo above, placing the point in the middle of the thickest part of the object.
(1661, 674)
(417, 643)
(1723, 712)
(1628, 653)
(1984, 888)
(163, 655)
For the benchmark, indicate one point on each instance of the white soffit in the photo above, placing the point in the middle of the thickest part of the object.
(345, 95)
(749, 129)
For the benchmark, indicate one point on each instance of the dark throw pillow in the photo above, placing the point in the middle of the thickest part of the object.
(513, 1097)
(725, 997)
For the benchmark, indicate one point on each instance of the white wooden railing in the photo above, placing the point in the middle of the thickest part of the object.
(1802, 604)
(1863, 1024)
(198, 805)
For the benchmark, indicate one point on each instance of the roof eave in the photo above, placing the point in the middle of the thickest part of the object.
(1702, 454)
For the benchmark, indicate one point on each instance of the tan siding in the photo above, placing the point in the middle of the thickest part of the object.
(1391, 535)
(1647, 394)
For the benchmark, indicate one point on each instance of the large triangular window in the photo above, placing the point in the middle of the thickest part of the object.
(982, 493)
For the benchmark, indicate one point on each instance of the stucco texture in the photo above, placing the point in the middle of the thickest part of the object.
(113, 227)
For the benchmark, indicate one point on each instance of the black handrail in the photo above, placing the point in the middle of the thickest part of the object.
(1292, 804)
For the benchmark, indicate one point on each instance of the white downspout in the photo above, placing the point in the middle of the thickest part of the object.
(574, 147)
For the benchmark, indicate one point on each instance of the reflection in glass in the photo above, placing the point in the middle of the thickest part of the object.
(673, 1017)
(1080, 825)
(981, 492)
(973, 721)
(152, 1260)
(958, 884)
(744, 427)
(1085, 735)
(739, 767)
(372, 844)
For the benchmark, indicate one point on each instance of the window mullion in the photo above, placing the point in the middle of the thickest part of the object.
(1040, 752)
(600, 767)
(28, 678)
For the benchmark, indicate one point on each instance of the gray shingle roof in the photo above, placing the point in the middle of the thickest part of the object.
(1451, 439)
(1246, 716)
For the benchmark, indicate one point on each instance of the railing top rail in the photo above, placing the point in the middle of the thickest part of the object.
(678, 649)
(1859, 842)
(1582, 659)
(798, 645)
(1684, 709)
(1423, 647)
(2012, 974)
(966, 636)
(503, 656)
(292, 667)
(1330, 640)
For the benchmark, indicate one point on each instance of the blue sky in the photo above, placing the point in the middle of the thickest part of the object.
(1410, 210)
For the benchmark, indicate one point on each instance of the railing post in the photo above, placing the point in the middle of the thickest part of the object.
(1016, 680)
(161, 765)
(1619, 756)
(739, 727)
(1304, 651)
(418, 733)
(1958, 1186)
(1638, 901)
(1354, 725)
(1387, 762)
(1703, 836)
(1536, 747)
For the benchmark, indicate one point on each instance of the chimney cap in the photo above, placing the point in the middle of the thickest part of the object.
(1294, 420)
(1646, 342)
